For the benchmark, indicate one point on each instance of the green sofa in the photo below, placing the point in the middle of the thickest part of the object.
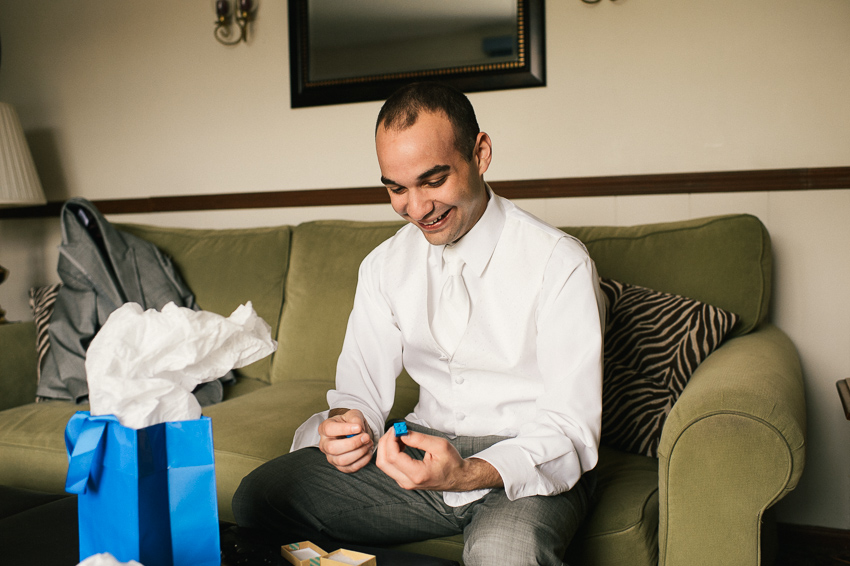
(733, 445)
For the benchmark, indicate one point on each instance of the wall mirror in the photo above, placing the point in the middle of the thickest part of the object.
(356, 50)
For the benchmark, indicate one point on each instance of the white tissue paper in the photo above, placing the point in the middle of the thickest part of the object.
(143, 365)
(105, 559)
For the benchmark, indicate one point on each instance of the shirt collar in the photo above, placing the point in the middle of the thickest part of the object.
(476, 247)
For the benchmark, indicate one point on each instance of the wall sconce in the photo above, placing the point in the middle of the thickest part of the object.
(245, 12)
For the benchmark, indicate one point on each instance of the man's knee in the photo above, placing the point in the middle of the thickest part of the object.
(268, 491)
(513, 542)
(532, 530)
(247, 501)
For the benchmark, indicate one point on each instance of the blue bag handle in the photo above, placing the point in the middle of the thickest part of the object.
(84, 443)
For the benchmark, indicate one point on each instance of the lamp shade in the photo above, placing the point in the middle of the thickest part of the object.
(19, 184)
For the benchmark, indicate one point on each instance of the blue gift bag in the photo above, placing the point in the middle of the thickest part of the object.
(146, 495)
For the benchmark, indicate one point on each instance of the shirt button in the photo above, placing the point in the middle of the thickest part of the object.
(460, 416)
(459, 379)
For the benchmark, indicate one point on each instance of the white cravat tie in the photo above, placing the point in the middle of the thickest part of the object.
(452, 312)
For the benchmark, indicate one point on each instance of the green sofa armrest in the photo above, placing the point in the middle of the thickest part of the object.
(733, 445)
(18, 361)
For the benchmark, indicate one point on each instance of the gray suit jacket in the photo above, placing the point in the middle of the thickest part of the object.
(101, 269)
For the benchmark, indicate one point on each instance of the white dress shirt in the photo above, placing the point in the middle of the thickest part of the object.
(529, 365)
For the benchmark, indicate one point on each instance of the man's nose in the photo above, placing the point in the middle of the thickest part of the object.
(419, 205)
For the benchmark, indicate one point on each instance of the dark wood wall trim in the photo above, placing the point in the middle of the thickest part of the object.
(666, 183)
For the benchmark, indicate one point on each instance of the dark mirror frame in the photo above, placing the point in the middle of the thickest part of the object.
(528, 71)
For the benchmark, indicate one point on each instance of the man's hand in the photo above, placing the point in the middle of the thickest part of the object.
(346, 454)
(442, 468)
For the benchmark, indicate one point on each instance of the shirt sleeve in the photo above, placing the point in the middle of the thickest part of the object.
(549, 454)
(371, 357)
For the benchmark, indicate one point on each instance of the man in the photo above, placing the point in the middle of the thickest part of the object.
(496, 315)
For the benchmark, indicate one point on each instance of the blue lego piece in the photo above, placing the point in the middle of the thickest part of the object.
(400, 428)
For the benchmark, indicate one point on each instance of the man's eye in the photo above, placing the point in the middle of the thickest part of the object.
(396, 190)
(436, 182)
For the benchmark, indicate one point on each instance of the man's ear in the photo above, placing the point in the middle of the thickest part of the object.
(483, 152)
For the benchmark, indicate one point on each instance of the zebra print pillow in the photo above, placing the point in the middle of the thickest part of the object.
(41, 302)
(653, 343)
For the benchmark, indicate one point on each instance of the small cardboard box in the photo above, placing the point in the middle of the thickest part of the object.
(302, 553)
(343, 557)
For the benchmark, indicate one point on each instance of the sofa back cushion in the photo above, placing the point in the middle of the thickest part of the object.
(324, 261)
(724, 261)
(226, 268)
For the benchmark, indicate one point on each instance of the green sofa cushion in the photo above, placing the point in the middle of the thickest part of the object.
(724, 261)
(214, 263)
(18, 376)
(32, 445)
(319, 297)
(622, 527)
(324, 260)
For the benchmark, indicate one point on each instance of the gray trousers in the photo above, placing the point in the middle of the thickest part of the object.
(300, 496)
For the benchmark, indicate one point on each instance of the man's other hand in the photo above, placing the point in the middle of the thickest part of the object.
(346, 440)
(441, 469)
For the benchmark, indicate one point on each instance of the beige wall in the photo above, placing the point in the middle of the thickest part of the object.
(129, 99)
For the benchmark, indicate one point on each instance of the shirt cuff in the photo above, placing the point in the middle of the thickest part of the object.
(459, 498)
(307, 434)
(522, 478)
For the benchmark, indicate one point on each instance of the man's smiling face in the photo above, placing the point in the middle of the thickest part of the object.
(431, 184)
